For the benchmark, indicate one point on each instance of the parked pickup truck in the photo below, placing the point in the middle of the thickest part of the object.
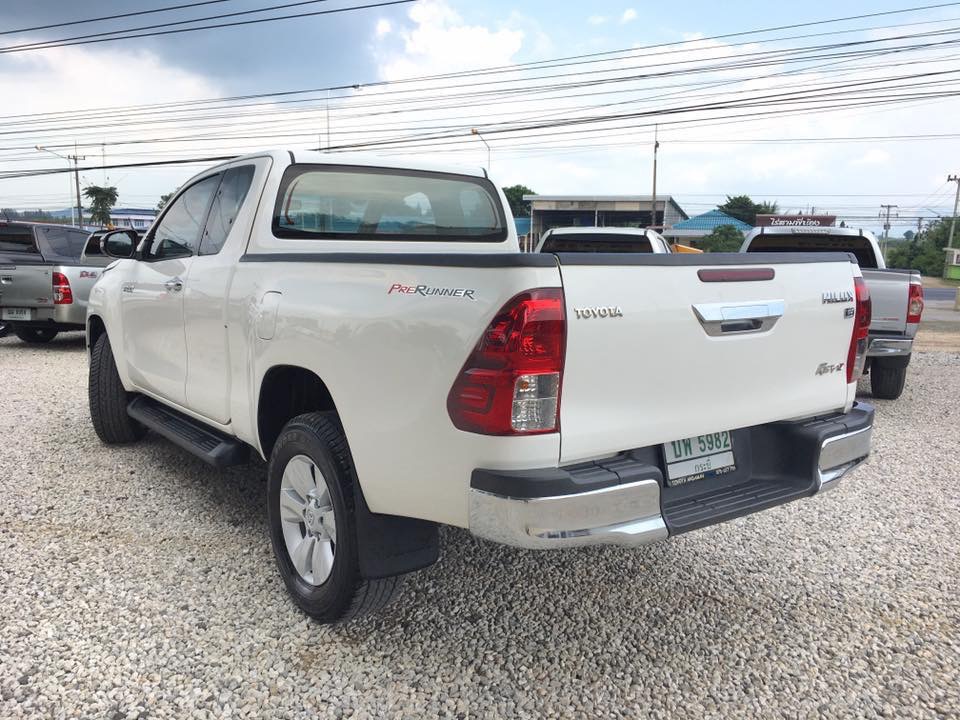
(897, 295)
(46, 273)
(370, 328)
(602, 240)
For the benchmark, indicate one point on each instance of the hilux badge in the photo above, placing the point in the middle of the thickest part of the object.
(837, 297)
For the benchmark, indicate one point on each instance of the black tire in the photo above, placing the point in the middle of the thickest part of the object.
(886, 382)
(108, 398)
(345, 594)
(35, 335)
(4, 329)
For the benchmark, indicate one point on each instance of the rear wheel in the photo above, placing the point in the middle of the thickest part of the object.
(4, 329)
(108, 398)
(35, 335)
(312, 522)
(887, 382)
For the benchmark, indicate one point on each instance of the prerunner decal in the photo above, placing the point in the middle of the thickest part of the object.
(427, 291)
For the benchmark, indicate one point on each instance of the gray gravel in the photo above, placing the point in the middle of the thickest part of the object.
(135, 582)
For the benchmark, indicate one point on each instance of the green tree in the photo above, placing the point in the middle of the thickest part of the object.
(745, 209)
(923, 252)
(164, 199)
(724, 238)
(102, 200)
(518, 206)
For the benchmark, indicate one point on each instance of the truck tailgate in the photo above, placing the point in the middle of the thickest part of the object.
(889, 293)
(666, 347)
(25, 286)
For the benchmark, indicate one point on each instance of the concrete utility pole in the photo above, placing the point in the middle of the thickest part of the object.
(653, 203)
(956, 201)
(76, 176)
(886, 227)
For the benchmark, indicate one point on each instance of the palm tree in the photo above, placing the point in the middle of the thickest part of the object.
(102, 200)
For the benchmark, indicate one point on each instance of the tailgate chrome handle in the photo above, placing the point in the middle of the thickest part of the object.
(738, 318)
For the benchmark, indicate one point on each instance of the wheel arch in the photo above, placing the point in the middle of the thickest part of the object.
(285, 392)
(95, 328)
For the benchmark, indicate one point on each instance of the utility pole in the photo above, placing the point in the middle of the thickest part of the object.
(956, 201)
(76, 176)
(653, 204)
(886, 226)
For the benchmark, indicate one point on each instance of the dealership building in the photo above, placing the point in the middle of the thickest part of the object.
(550, 211)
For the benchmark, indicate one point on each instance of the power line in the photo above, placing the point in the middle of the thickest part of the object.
(113, 17)
(56, 44)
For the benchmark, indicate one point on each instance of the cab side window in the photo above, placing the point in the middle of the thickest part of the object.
(226, 204)
(178, 233)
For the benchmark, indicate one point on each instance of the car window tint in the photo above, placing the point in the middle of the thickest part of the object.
(178, 232)
(57, 243)
(77, 240)
(389, 204)
(17, 238)
(226, 204)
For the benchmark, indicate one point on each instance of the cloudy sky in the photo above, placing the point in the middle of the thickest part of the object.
(836, 116)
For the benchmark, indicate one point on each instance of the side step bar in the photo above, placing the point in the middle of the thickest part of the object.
(211, 446)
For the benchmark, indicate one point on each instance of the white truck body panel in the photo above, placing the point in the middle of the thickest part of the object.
(654, 374)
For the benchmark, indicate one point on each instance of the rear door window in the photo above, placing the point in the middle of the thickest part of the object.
(352, 203)
(226, 204)
(855, 244)
(18, 239)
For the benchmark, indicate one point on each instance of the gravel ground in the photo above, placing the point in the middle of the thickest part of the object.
(135, 582)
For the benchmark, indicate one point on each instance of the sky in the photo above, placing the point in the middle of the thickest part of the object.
(874, 80)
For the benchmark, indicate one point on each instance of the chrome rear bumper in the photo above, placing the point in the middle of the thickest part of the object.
(563, 507)
(888, 347)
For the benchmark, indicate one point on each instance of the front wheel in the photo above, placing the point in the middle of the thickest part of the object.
(312, 523)
(108, 398)
(887, 382)
(35, 335)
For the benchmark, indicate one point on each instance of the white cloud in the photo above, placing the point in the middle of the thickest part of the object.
(629, 15)
(383, 27)
(876, 156)
(441, 42)
(597, 19)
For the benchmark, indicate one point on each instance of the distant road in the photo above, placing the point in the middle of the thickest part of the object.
(939, 293)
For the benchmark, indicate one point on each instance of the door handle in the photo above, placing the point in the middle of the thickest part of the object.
(174, 285)
(719, 319)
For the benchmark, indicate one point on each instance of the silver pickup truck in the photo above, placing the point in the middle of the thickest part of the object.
(897, 295)
(46, 274)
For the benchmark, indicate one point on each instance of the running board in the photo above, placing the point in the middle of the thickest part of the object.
(209, 445)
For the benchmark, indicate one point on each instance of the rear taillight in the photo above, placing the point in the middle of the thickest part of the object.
(915, 303)
(861, 328)
(62, 294)
(510, 384)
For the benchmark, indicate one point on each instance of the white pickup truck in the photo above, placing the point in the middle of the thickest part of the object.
(896, 295)
(602, 240)
(46, 274)
(370, 328)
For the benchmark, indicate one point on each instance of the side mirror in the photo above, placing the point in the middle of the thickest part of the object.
(121, 244)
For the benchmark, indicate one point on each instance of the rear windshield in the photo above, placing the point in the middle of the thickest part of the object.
(347, 203)
(857, 245)
(17, 238)
(596, 243)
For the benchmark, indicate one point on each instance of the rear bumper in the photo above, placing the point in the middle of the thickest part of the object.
(623, 500)
(889, 347)
(64, 317)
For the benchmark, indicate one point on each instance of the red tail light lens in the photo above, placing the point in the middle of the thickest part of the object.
(915, 303)
(62, 294)
(510, 384)
(861, 328)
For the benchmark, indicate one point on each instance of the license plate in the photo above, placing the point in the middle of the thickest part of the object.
(698, 457)
(16, 314)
